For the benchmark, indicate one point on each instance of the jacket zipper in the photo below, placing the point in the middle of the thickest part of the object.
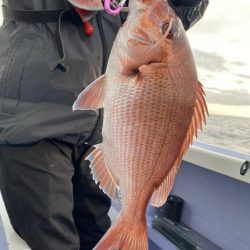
(104, 43)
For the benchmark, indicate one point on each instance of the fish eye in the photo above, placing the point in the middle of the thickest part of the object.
(165, 26)
(173, 33)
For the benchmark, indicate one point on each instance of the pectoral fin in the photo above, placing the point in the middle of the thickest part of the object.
(92, 97)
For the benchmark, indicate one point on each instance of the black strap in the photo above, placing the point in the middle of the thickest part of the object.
(59, 64)
(43, 16)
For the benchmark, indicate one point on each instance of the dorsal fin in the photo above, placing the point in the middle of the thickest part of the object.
(102, 174)
(92, 97)
(161, 193)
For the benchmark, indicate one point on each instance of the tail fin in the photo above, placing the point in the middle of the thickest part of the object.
(125, 236)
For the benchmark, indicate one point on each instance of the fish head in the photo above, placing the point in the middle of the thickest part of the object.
(153, 33)
(154, 17)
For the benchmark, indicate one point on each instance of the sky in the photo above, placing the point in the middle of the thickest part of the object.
(221, 47)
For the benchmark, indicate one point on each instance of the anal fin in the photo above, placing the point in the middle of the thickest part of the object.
(160, 194)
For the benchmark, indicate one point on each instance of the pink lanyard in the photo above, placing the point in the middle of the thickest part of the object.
(117, 9)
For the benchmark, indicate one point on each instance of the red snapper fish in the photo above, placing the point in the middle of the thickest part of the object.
(153, 105)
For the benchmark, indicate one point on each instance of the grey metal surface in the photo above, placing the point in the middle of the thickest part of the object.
(216, 206)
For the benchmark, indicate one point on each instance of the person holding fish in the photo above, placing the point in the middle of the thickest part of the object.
(49, 52)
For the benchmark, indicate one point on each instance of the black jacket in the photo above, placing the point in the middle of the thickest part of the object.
(35, 101)
(189, 11)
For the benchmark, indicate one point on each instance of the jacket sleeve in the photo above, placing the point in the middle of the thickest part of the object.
(189, 11)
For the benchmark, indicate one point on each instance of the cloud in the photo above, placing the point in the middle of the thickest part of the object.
(214, 62)
(243, 76)
(237, 63)
(229, 97)
(240, 82)
(210, 61)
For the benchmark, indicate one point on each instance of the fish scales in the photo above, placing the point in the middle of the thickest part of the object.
(153, 105)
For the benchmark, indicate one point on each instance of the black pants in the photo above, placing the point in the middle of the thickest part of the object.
(51, 199)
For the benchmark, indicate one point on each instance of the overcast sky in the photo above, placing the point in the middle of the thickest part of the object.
(221, 45)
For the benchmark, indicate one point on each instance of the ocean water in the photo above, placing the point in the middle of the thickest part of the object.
(228, 132)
